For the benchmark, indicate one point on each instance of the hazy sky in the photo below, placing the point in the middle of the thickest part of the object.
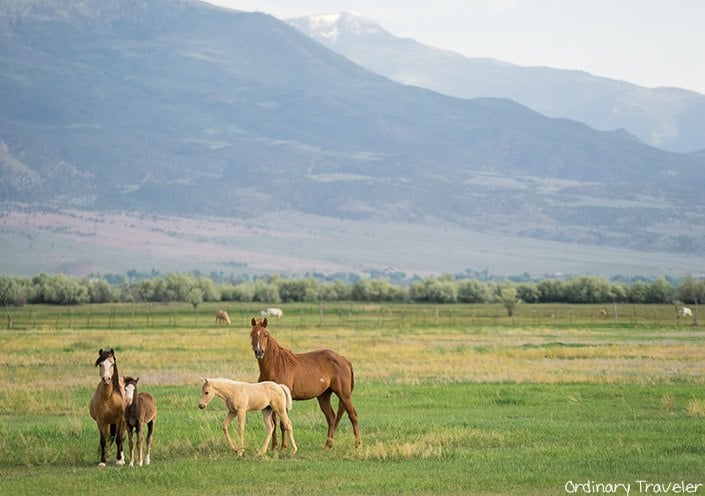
(646, 42)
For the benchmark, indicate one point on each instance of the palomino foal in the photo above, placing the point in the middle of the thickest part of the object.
(243, 397)
(141, 409)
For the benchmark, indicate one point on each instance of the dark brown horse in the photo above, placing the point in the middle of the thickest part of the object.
(315, 374)
(141, 409)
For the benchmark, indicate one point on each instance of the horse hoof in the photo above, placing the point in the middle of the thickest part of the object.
(120, 462)
(101, 464)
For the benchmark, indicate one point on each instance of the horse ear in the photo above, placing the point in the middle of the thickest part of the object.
(264, 322)
(254, 322)
(100, 351)
(205, 381)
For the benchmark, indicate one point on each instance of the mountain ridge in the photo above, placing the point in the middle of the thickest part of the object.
(666, 117)
(203, 111)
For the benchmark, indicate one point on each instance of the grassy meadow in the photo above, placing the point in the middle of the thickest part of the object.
(451, 399)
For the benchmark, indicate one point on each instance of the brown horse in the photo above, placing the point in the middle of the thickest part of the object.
(107, 406)
(315, 374)
(141, 409)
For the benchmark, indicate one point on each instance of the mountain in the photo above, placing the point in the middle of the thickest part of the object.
(669, 118)
(176, 107)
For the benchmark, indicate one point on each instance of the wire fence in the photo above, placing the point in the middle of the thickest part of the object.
(356, 315)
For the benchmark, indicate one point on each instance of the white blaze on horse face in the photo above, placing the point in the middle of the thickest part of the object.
(129, 393)
(259, 351)
(106, 370)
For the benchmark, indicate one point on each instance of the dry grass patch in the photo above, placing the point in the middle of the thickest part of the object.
(696, 408)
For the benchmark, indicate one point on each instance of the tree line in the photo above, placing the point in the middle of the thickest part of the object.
(60, 289)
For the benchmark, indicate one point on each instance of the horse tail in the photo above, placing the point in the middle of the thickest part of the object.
(352, 374)
(287, 393)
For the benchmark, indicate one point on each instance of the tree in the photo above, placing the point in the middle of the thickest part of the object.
(434, 290)
(590, 289)
(375, 290)
(528, 292)
(99, 291)
(195, 297)
(638, 292)
(334, 291)
(245, 292)
(692, 292)
(266, 292)
(472, 291)
(660, 291)
(8, 290)
(508, 297)
(551, 291)
(297, 289)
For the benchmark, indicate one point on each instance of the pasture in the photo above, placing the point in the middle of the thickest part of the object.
(451, 399)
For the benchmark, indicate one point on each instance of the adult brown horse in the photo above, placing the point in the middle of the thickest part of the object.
(107, 406)
(315, 374)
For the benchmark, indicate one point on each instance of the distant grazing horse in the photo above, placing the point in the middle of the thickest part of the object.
(242, 397)
(141, 409)
(272, 312)
(222, 317)
(107, 406)
(315, 374)
(686, 312)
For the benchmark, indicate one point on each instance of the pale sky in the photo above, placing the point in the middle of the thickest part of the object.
(646, 42)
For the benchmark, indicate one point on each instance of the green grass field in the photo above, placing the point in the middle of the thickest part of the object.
(451, 400)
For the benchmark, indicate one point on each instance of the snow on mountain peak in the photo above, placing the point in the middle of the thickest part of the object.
(331, 26)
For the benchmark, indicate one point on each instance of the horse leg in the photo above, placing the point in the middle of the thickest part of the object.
(274, 434)
(139, 442)
(241, 421)
(150, 431)
(283, 428)
(346, 402)
(120, 428)
(132, 446)
(226, 423)
(324, 403)
(286, 422)
(339, 415)
(104, 433)
(270, 427)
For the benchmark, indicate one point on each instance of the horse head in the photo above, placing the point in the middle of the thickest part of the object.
(107, 363)
(130, 389)
(259, 336)
(207, 394)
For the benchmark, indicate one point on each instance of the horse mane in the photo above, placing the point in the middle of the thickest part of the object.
(281, 357)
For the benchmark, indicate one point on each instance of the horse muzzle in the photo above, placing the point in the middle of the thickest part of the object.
(259, 353)
(202, 406)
